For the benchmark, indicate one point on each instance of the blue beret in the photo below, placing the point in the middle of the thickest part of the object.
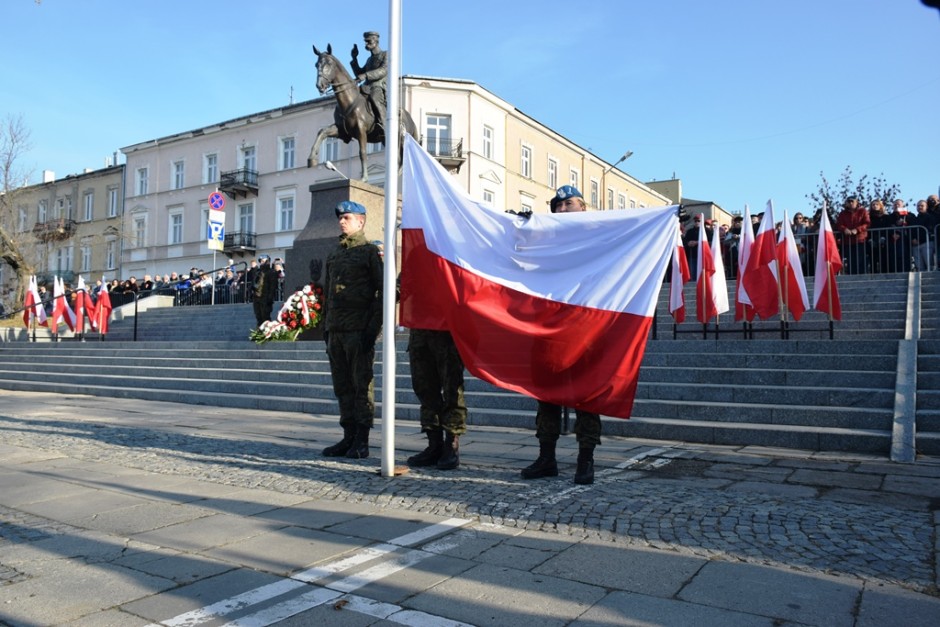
(348, 206)
(567, 191)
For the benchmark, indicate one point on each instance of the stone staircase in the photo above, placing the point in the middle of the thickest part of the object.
(806, 392)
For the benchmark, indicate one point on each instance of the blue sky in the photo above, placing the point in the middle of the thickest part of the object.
(743, 100)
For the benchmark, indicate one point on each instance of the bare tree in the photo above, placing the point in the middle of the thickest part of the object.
(866, 189)
(14, 142)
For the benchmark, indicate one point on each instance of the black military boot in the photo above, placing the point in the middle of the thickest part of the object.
(584, 473)
(430, 455)
(340, 448)
(545, 465)
(450, 453)
(360, 444)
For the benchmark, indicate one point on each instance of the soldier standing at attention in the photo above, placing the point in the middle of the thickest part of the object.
(437, 379)
(587, 426)
(352, 322)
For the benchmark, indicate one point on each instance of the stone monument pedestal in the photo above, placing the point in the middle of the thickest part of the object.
(321, 234)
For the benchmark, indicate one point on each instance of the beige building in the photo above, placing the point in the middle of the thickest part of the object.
(68, 227)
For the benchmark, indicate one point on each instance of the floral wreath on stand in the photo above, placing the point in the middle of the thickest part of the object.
(301, 311)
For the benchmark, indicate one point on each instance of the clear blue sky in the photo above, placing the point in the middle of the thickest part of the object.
(743, 100)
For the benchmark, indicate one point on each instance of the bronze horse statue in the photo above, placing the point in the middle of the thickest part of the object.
(353, 117)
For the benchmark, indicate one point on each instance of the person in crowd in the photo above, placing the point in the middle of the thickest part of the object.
(923, 237)
(147, 285)
(252, 271)
(263, 290)
(351, 323)
(880, 247)
(115, 287)
(690, 241)
(279, 270)
(131, 286)
(587, 426)
(732, 242)
(800, 230)
(899, 238)
(853, 223)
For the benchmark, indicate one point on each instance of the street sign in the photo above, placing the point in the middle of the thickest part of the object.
(217, 201)
(215, 231)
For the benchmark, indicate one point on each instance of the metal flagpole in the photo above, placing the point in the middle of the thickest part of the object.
(392, 142)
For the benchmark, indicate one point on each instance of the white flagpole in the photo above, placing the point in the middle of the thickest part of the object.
(391, 238)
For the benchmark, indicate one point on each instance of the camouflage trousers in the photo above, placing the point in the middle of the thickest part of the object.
(351, 366)
(587, 426)
(437, 380)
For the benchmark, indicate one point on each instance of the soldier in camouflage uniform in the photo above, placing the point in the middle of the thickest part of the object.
(587, 426)
(437, 379)
(352, 322)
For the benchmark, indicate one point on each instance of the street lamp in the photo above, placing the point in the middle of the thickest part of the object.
(623, 158)
(329, 166)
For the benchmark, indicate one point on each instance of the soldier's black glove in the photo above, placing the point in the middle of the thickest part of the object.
(523, 214)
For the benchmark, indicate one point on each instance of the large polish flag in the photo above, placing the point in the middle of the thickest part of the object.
(61, 311)
(719, 283)
(791, 272)
(556, 306)
(32, 306)
(99, 320)
(760, 277)
(828, 265)
(743, 308)
(705, 306)
(679, 276)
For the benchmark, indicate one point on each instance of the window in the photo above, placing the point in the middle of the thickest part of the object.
(41, 212)
(176, 228)
(86, 258)
(210, 168)
(594, 193)
(89, 199)
(140, 232)
(112, 202)
(632, 204)
(59, 209)
(109, 255)
(285, 205)
(610, 199)
(329, 150)
(24, 217)
(142, 176)
(553, 173)
(489, 198)
(526, 208)
(525, 168)
(573, 179)
(246, 218)
(249, 158)
(621, 201)
(63, 260)
(438, 140)
(287, 153)
(179, 181)
(488, 142)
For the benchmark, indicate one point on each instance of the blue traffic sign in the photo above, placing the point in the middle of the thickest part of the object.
(217, 201)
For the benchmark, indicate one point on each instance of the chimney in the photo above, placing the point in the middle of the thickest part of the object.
(48, 176)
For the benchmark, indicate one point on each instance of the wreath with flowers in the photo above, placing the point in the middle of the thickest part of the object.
(301, 311)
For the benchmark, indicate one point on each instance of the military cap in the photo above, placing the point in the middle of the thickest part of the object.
(370, 33)
(348, 206)
(567, 191)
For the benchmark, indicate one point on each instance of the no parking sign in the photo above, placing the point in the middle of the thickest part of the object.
(215, 229)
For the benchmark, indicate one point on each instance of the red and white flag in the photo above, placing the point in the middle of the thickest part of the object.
(743, 309)
(557, 306)
(83, 305)
(792, 285)
(760, 276)
(61, 311)
(705, 308)
(719, 283)
(679, 276)
(99, 321)
(828, 265)
(32, 306)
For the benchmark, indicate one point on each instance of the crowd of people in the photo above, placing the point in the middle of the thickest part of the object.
(872, 240)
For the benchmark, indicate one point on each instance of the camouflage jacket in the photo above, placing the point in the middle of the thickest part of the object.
(353, 290)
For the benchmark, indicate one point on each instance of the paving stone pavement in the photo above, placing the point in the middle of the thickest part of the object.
(171, 497)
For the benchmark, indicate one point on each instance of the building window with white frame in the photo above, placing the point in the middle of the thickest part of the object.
(41, 212)
(610, 199)
(179, 171)
(285, 212)
(553, 173)
(176, 228)
(525, 168)
(249, 158)
(142, 181)
(632, 203)
(86, 258)
(595, 189)
(573, 178)
(621, 201)
(140, 232)
(287, 153)
(246, 217)
(109, 254)
(24, 220)
(487, 141)
(89, 204)
(63, 261)
(210, 168)
(438, 137)
(329, 150)
(112, 202)
(489, 198)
